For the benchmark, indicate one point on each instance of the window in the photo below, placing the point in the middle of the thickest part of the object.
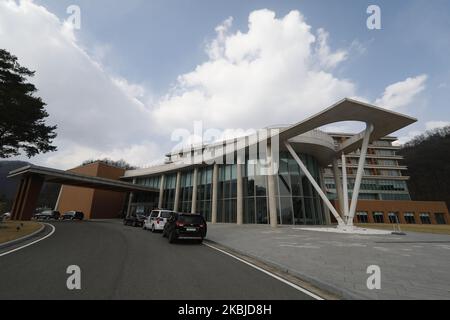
(409, 218)
(425, 218)
(166, 214)
(154, 214)
(169, 191)
(204, 192)
(186, 190)
(387, 163)
(378, 217)
(362, 217)
(383, 152)
(393, 217)
(440, 218)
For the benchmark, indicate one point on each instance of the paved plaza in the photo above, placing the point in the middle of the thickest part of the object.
(415, 266)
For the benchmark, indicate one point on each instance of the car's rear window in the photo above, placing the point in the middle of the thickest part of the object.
(191, 219)
(154, 214)
(165, 214)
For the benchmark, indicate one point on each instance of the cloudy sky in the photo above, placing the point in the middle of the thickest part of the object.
(138, 72)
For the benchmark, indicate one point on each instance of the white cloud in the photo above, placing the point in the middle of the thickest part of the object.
(430, 125)
(328, 59)
(276, 72)
(403, 93)
(95, 111)
(407, 137)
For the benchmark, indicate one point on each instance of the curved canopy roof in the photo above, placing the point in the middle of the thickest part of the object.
(385, 122)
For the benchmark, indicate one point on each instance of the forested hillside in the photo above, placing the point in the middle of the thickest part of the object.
(428, 159)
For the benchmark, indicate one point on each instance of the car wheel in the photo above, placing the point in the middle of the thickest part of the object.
(172, 237)
(200, 241)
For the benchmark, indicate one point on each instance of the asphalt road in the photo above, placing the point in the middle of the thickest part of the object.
(119, 262)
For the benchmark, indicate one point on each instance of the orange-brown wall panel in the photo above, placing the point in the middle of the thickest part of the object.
(416, 207)
(107, 204)
(95, 204)
(75, 198)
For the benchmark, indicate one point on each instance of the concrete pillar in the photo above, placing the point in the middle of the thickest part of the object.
(327, 217)
(359, 173)
(345, 187)
(18, 199)
(338, 183)
(27, 197)
(194, 191)
(176, 204)
(215, 182)
(271, 190)
(161, 191)
(130, 200)
(240, 194)
(59, 198)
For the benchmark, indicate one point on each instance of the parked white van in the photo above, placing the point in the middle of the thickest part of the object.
(156, 220)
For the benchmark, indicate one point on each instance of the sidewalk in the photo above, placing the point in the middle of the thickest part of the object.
(414, 266)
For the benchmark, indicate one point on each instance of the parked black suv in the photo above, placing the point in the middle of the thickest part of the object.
(73, 215)
(185, 226)
(47, 215)
(135, 219)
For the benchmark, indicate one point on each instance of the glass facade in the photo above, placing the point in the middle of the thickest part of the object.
(186, 189)
(170, 182)
(373, 189)
(255, 195)
(298, 202)
(227, 194)
(204, 192)
(296, 199)
(152, 182)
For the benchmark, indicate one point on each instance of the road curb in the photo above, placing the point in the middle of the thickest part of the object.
(326, 287)
(22, 239)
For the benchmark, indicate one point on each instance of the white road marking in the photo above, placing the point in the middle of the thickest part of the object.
(31, 243)
(312, 295)
(303, 246)
(382, 249)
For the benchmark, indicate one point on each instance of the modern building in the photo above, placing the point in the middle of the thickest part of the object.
(292, 175)
(383, 179)
(309, 185)
(94, 203)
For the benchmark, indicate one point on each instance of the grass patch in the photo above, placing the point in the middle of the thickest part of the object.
(9, 230)
(424, 228)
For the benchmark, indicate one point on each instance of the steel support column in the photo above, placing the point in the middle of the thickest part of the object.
(338, 183)
(194, 191)
(359, 173)
(345, 186)
(161, 191)
(215, 180)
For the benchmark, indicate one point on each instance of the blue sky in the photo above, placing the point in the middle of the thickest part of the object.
(148, 45)
(153, 41)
